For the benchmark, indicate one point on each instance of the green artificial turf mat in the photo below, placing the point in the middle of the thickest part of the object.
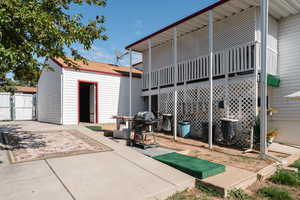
(95, 128)
(190, 165)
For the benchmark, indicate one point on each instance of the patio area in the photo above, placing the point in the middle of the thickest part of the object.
(73, 162)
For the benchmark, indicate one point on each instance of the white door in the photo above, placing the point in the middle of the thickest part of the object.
(23, 107)
(93, 103)
(5, 110)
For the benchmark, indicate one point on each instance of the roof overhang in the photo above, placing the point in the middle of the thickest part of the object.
(295, 96)
(222, 9)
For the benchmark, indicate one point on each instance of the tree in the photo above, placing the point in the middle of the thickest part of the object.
(34, 29)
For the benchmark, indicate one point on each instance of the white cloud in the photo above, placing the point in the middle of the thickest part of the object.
(108, 56)
(138, 26)
(136, 57)
(98, 54)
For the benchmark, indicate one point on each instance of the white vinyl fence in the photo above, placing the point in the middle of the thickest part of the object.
(17, 107)
(5, 112)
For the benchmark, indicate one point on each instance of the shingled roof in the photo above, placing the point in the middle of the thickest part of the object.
(99, 67)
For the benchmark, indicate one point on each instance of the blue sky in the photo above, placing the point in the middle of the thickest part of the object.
(128, 21)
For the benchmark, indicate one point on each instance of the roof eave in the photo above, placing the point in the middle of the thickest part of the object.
(178, 22)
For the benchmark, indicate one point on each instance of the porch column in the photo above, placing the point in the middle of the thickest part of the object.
(211, 46)
(264, 21)
(130, 82)
(150, 70)
(175, 80)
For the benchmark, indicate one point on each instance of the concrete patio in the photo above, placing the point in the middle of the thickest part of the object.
(119, 174)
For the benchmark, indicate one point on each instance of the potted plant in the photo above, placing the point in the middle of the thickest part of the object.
(271, 111)
(271, 136)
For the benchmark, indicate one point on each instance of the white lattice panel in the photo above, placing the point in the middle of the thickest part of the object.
(166, 101)
(237, 95)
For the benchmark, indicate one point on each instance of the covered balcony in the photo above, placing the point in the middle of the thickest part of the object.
(239, 60)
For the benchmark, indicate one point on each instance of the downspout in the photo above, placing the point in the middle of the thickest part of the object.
(264, 9)
(264, 16)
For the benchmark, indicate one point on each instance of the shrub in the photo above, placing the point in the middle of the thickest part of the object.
(182, 196)
(208, 191)
(285, 177)
(296, 164)
(239, 194)
(275, 193)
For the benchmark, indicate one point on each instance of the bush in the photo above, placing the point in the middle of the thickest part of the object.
(296, 164)
(284, 177)
(239, 194)
(208, 191)
(182, 196)
(275, 193)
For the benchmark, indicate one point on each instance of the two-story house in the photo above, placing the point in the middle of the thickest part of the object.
(236, 36)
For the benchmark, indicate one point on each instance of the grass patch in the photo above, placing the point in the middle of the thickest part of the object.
(208, 191)
(239, 194)
(182, 196)
(284, 177)
(296, 164)
(275, 193)
(95, 128)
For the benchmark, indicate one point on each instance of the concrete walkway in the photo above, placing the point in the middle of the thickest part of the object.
(120, 174)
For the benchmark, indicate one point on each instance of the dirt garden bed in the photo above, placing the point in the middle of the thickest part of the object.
(223, 155)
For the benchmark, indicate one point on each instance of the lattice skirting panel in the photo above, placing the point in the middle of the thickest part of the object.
(235, 98)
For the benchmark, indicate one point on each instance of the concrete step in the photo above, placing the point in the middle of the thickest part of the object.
(232, 178)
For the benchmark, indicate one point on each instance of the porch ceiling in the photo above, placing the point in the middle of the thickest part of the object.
(222, 9)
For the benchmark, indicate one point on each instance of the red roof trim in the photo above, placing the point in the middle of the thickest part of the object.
(137, 64)
(178, 22)
(96, 71)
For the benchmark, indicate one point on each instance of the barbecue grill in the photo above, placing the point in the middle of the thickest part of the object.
(144, 136)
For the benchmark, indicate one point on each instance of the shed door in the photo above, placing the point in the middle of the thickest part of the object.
(5, 110)
(24, 107)
(93, 103)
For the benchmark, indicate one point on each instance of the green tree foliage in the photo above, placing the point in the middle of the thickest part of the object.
(33, 29)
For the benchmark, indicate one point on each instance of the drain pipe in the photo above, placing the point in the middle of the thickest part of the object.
(264, 21)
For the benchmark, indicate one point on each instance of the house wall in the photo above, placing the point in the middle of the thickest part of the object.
(233, 31)
(113, 95)
(49, 95)
(273, 31)
(287, 120)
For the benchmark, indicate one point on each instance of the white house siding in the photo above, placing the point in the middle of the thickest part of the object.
(49, 95)
(273, 31)
(287, 120)
(233, 31)
(113, 95)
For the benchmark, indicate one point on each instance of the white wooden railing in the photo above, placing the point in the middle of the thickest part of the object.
(243, 58)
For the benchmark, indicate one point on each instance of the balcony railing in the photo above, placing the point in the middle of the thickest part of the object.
(243, 58)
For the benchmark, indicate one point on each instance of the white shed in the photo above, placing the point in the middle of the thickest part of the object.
(93, 94)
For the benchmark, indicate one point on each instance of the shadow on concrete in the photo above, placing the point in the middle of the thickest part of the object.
(12, 138)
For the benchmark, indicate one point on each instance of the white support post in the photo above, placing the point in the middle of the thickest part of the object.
(130, 83)
(226, 100)
(264, 15)
(211, 46)
(175, 80)
(150, 70)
